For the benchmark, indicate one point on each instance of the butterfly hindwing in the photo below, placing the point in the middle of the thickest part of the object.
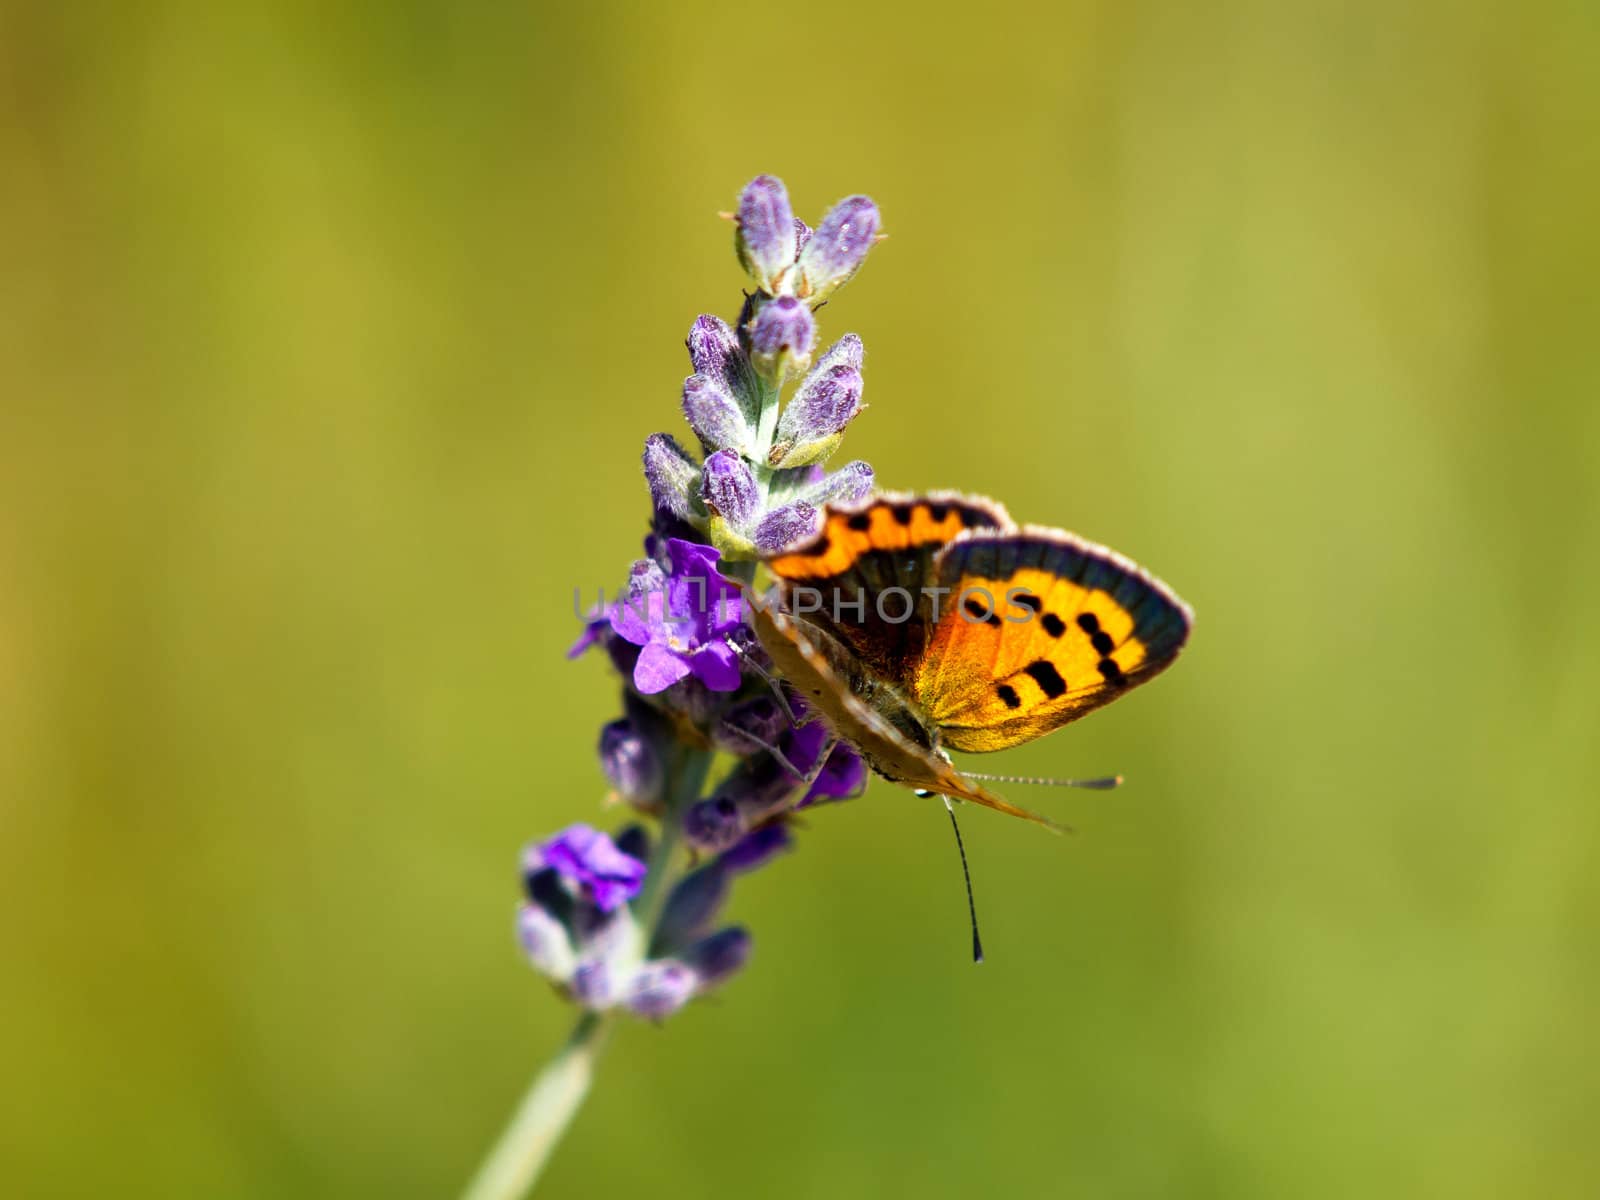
(1039, 628)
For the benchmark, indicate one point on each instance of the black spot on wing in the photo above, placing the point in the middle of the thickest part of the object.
(1008, 696)
(1112, 672)
(1053, 625)
(860, 522)
(980, 612)
(1047, 677)
(973, 517)
(1028, 601)
(901, 512)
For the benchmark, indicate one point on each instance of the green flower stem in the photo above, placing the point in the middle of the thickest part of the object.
(512, 1169)
(767, 422)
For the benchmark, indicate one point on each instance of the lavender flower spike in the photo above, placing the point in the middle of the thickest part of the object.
(766, 236)
(837, 248)
(781, 337)
(630, 923)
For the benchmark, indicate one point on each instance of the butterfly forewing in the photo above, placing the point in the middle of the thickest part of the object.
(863, 579)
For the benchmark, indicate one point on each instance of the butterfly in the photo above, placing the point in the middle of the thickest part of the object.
(921, 624)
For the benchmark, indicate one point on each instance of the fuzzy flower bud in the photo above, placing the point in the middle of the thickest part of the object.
(545, 941)
(715, 416)
(659, 989)
(631, 764)
(731, 495)
(849, 484)
(728, 488)
(715, 352)
(781, 337)
(716, 958)
(785, 527)
(713, 348)
(750, 726)
(813, 423)
(712, 825)
(838, 247)
(672, 476)
(757, 849)
(693, 905)
(766, 237)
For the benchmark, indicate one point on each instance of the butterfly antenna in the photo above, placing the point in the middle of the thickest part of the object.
(966, 876)
(1104, 784)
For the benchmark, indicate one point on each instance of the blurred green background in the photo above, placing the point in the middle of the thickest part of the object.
(328, 341)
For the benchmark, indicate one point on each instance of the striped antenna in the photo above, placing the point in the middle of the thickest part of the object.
(1104, 784)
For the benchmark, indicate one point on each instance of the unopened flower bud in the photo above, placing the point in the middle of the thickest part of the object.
(813, 424)
(848, 351)
(632, 765)
(756, 849)
(838, 247)
(712, 825)
(715, 352)
(659, 989)
(781, 337)
(714, 415)
(673, 477)
(594, 984)
(786, 527)
(720, 956)
(849, 484)
(692, 905)
(728, 488)
(546, 943)
(765, 238)
(750, 726)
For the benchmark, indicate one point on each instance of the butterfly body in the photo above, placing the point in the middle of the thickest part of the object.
(921, 624)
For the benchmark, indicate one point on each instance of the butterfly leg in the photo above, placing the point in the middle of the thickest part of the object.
(774, 684)
(801, 778)
(777, 754)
